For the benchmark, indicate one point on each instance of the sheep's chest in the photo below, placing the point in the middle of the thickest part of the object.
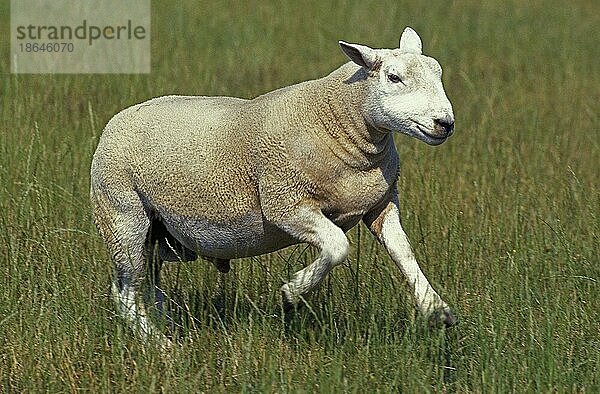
(348, 197)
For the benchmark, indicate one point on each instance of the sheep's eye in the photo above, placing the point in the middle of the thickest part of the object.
(394, 78)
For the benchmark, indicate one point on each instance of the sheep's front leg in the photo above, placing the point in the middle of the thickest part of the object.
(313, 227)
(385, 225)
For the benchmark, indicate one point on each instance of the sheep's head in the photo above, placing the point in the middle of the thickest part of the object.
(404, 89)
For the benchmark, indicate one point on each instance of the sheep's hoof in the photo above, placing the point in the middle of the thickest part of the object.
(165, 344)
(287, 300)
(443, 318)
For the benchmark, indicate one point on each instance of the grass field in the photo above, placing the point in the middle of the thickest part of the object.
(504, 217)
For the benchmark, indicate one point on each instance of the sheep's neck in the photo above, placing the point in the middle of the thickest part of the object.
(345, 130)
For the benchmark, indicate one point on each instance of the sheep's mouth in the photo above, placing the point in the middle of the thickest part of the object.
(426, 136)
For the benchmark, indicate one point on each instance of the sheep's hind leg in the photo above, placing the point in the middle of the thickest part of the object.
(161, 246)
(313, 227)
(222, 265)
(124, 228)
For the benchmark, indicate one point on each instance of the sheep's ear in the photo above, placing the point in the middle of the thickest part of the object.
(410, 42)
(360, 54)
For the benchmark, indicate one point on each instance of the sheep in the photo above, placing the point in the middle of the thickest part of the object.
(178, 177)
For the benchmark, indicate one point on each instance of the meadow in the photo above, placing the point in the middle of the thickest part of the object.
(504, 217)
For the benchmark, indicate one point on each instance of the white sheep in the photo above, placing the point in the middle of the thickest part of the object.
(225, 178)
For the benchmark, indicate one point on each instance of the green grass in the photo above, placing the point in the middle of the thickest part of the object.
(504, 217)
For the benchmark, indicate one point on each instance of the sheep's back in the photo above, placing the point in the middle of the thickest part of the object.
(188, 155)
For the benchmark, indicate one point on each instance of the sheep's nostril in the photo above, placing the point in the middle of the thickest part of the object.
(444, 125)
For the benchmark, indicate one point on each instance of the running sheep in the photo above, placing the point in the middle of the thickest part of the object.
(179, 177)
